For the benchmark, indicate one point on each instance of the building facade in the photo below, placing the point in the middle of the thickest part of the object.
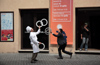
(24, 10)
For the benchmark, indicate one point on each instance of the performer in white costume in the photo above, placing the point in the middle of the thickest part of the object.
(34, 42)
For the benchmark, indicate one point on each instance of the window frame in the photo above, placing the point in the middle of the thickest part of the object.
(13, 25)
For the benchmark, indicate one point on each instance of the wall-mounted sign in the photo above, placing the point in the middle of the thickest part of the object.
(61, 12)
(7, 27)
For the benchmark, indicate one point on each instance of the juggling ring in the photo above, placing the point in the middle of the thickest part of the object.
(47, 30)
(43, 46)
(41, 21)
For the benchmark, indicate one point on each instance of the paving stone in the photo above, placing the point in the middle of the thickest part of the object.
(48, 59)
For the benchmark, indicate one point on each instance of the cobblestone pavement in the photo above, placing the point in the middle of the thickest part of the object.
(48, 59)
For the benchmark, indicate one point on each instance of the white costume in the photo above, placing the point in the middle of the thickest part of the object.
(33, 39)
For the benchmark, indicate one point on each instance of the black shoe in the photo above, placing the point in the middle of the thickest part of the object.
(60, 58)
(71, 56)
(35, 60)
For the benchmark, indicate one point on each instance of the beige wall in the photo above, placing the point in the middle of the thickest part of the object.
(15, 5)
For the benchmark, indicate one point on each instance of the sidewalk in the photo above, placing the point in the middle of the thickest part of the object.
(48, 59)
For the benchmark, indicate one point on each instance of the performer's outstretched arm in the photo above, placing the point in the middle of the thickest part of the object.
(38, 32)
(56, 35)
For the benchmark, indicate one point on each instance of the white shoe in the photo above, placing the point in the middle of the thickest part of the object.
(80, 49)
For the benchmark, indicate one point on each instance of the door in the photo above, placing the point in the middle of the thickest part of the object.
(29, 18)
(95, 31)
(92, 17)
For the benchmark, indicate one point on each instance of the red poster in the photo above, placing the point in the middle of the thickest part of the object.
(7, 35)
(6, 26)
(61, 13)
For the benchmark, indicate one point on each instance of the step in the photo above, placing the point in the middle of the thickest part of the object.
(87, 52)
(31, 51)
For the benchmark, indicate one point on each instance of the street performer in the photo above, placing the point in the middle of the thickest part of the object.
(34, 42)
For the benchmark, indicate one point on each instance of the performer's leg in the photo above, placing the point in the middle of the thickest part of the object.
(36, 57)
(36, 54)
(33, 57)
(60, 54)
(66, 52)
(63, 50)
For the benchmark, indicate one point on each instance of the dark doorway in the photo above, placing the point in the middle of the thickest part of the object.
(29, 18)
(92, 17)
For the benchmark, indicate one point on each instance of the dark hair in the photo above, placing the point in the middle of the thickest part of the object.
(61, 30)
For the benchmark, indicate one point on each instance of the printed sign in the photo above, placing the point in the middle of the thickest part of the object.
(61, 16)
(61, 10)
(6, 26)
